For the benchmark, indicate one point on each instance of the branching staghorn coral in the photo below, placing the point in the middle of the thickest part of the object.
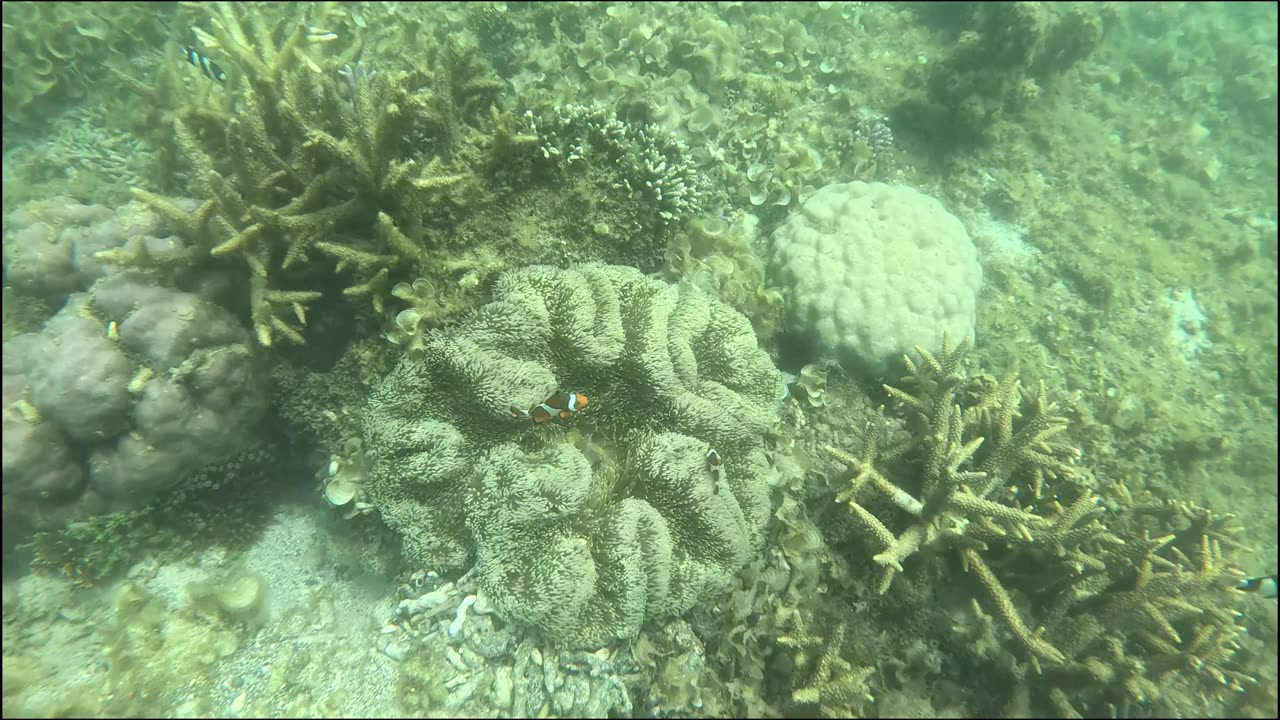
(969, 459)
(978, 445)
(299, 159)
(1112, 602)
(329, 175)
(823, 675)
(1155, 620)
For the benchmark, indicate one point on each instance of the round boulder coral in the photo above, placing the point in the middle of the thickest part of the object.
(874, 270)
(589, 524)
(126, 391)
(51, 246)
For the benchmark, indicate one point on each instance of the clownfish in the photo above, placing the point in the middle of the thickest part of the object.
(561, 405)
(714, 467)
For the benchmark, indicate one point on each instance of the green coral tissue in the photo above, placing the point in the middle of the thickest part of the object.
(585, 525)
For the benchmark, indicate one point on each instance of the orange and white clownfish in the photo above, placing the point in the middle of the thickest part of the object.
(561, 405)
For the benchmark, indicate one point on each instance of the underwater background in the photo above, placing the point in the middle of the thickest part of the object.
(640, 360)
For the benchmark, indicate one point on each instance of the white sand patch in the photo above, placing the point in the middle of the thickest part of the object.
(1187, 323)
(1001, 243)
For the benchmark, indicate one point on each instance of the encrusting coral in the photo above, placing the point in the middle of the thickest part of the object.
(651, 500)
(999, 63)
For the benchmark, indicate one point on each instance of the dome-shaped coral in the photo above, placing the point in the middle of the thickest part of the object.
(875, 270)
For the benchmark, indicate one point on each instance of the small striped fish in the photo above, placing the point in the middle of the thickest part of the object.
(1264, 586)
(208, 68)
